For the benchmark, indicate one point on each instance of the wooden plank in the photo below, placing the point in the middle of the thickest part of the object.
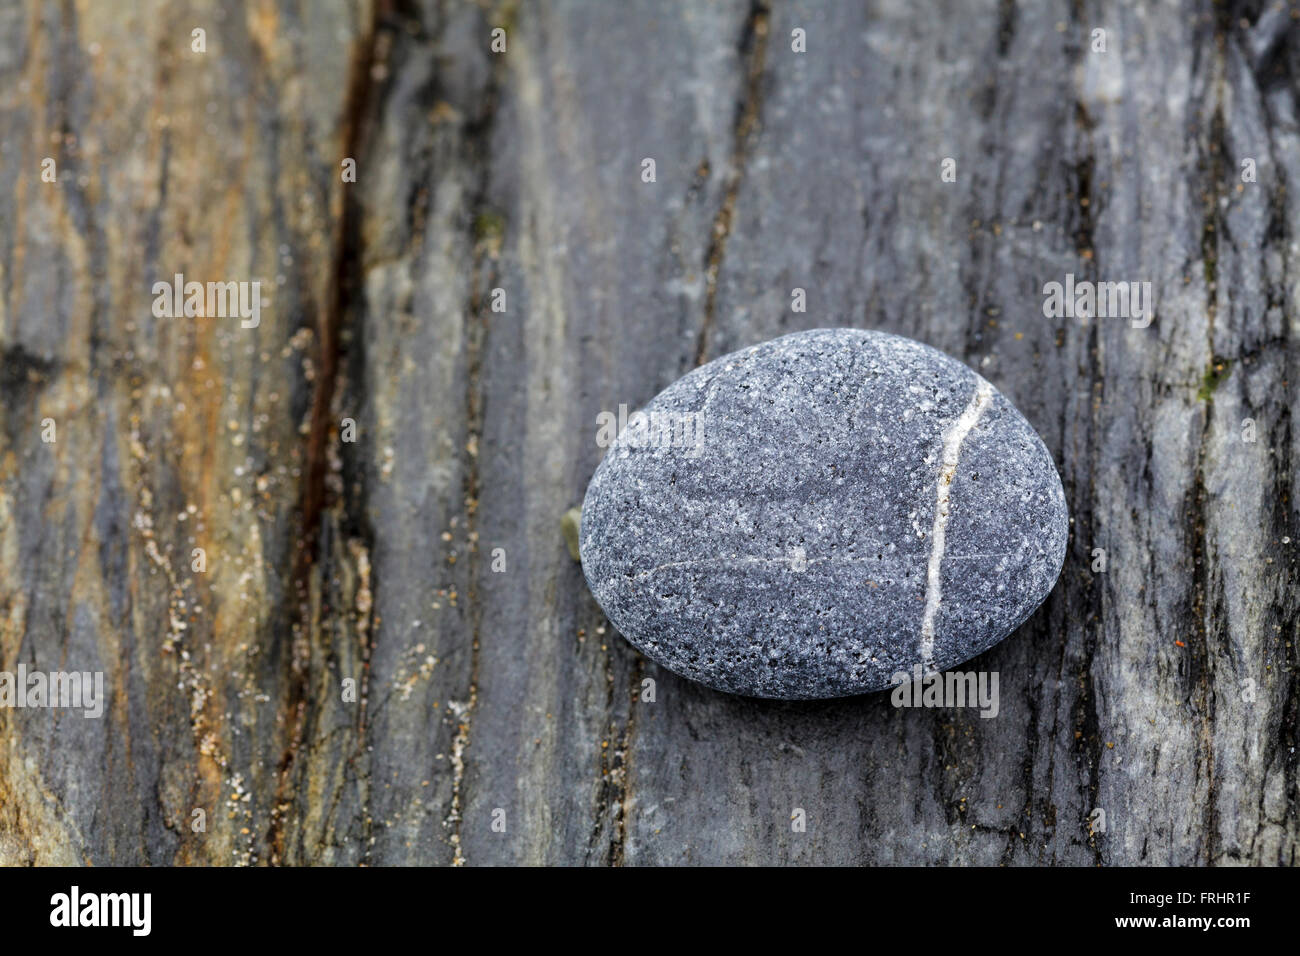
(424, 560)
(172, 434)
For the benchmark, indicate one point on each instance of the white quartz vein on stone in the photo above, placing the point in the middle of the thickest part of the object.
(953, 436)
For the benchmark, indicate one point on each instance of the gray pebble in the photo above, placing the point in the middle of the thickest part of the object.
(815, 515)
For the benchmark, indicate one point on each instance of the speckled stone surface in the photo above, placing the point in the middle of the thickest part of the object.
(808, 517)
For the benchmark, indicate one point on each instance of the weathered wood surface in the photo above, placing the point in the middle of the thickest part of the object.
(372, 560)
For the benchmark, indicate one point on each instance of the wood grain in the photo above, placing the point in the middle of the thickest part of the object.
(1163, 691)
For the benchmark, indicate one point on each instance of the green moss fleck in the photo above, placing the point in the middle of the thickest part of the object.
(1214, 377)
(569, 526)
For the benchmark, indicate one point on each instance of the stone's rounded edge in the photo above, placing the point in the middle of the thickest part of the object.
(1063, 539)
(691, 391)
(1061, 524)
(1057, 516)
(586, 518)
(592, 557)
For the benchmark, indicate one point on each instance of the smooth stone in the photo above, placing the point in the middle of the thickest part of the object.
(852, 504)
